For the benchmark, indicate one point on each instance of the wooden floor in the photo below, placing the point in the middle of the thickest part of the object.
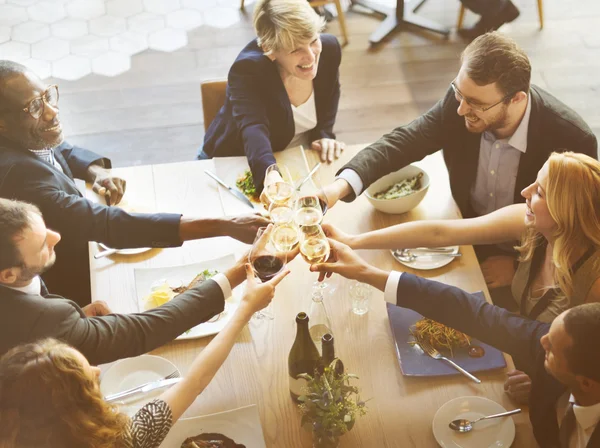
(153, 113)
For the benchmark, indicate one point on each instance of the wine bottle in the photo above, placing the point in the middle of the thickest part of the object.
(319, 319)
(329, 356)
(303, 357)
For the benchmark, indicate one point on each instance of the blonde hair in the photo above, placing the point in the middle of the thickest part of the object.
(573, 196)
(282, 24)
(47, 399)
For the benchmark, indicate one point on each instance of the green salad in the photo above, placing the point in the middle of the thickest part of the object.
(246, 185)
(402, 188)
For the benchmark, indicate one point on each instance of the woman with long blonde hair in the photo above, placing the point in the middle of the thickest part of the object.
(559, 230)
(50, 395)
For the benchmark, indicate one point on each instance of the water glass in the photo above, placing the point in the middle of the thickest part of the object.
(360, 295)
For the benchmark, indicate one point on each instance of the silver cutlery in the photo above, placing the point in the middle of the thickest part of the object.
(409, 257)
(428, 250)
(238, 194)
(464, 425)
(431, 351)
(168, 380)
(313, 171)
(105, 253)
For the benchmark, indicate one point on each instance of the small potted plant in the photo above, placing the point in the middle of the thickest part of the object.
(330, 406)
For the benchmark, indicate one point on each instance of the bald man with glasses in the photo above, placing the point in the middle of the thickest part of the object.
(496, 131)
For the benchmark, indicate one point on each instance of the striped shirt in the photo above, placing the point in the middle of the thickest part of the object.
(47, 155)
(149, 426)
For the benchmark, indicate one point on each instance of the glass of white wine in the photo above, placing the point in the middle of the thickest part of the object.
(285, 237)
(278, 185)
(311, 204)
(314, 248)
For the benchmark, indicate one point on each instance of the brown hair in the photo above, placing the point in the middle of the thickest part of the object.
(495, 58)
(47, 399)
(582, 323)
(14, 218)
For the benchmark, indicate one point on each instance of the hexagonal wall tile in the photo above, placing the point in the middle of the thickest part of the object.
(199, 5)
(4, 34)
(121, 8)
(41, 68)
(167, 40)
(71, 68)
(50, 49)
(89, 46)
(221, 17)
(30, 32)
(86, 9)
(69, 28)
(47, 12)
(184, 19)
(129, 43)
(15, 51)
(108, 26)
(111, 64)
(146, 22)
(11, 15)
(161, 6)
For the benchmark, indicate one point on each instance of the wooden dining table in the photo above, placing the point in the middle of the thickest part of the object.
(400, 409)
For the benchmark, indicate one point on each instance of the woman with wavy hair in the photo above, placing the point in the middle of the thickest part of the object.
(50, 395)
(559, 230)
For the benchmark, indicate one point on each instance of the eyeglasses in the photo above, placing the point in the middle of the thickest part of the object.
(37, 105)
(460, 98)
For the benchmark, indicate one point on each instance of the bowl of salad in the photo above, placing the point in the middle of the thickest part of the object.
(399, 192)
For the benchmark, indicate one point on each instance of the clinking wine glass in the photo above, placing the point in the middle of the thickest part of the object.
(278, 186)
(314, 247)
(266, 261)
(311, 204)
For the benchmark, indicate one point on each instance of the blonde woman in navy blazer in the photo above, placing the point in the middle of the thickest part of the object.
(283, 90)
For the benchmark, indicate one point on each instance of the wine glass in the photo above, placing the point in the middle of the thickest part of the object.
(314, 246)
(278, 186)
(311, 204)
(266, 261)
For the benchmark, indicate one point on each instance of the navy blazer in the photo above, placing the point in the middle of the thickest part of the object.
(511, 333)
(257, 120)
(25, 177)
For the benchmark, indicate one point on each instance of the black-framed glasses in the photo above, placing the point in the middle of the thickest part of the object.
(36, 106)
(460, 98)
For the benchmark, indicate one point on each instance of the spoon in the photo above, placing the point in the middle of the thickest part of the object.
(463, 425)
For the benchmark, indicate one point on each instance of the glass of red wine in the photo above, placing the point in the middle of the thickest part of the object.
(266, 261)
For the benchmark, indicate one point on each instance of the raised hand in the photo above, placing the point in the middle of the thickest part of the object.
(258, 295)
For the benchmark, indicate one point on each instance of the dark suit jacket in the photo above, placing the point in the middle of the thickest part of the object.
(26, 318)
(25, 177)
(552, 127)
(511, 333)
(257, 118)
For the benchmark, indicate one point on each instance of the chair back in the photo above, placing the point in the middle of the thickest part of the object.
(213, 98)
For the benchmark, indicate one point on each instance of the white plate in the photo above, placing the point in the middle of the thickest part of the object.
(145, 278)
(426, 262)
(496, 433)
(131, 251)
(132, 372)
(241, 425)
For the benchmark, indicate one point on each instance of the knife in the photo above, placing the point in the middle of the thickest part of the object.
(236, 193)
(142, 390)
(313, 171)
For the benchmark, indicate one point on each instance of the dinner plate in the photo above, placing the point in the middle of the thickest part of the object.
(427, 262)
(130, 251)
(494, 433)
(147, 278)
(132, 372)
(242, 425)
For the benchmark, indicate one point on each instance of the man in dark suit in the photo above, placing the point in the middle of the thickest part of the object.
(36, 166)
(561, 358)
(29, 312)
(496, 132)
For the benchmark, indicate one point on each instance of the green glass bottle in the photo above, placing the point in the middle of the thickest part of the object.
(329, 355)
(303, 358)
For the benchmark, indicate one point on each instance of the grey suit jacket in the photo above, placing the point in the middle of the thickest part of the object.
(26, 318)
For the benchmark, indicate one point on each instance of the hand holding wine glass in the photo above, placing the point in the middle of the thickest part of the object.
(257, 295)
(277, 185)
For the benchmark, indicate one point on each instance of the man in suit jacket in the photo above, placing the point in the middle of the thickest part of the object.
(29, 312)
(496, 132)
(36, 166)
(561, 358)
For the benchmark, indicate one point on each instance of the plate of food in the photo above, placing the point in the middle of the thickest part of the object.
(133, 372)
(426, 258)
(494, 433)
(469, 353)
(399, 192)
(238, 428)
(156, 286)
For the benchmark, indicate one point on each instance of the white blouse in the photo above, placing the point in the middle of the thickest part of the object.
(305, 120)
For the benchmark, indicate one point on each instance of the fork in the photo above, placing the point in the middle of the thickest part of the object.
(116, 396)
(431, 351)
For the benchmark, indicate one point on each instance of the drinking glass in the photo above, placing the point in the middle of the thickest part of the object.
(311, 204)
(278, 185)
(314, 246)
(360, 295)
(266, 261)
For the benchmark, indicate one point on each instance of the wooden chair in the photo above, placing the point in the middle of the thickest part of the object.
(213, 98)
(340, 11)
(461, 15)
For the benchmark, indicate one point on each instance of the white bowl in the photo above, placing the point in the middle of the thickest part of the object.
(404, 203)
